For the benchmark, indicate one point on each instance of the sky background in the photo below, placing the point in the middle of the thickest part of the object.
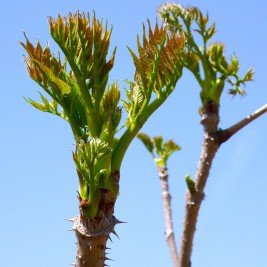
(38, 179)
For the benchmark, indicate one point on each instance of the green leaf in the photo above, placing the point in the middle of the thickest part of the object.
(248, 76)
(210, 31)
(171, 147)
(111, 98)
(45, 101)
(37, 105)
(163, 149)
(46, 106)
(192, 62)
(158, 141)
(54, 80)
(135, 99)
(147, 142)
(138, 67)
(234, 67)
(89, 153)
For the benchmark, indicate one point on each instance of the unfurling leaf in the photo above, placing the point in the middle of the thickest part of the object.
(237, 90)
(205, 60)
(234, 66)
(46, 106)
(158, 66)
(146, 141)
(54, 81)
(170, 147)
(109, 106)
(248, 76)
(135, 99)
(79, 83)
(85, 43)
(210, 31)
(92, 174)
(158, 141)
(192, 62)
(87, 156)
(157, 146)
(217, 57)
(45, 69)
(37, 105)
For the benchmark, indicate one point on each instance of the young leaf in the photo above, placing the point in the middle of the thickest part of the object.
(163, 149)
(147, 142)
(54, 81)
(37, 105)
(158, 141)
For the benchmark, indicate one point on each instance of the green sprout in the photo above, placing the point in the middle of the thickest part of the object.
(159, 150)
(76, 81)
(207, 60)
(190, 184)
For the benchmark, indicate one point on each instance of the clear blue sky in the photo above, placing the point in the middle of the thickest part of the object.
(38, 179)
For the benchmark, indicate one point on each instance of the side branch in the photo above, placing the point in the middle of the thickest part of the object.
(166, 199)
(228, 133)
(212, 141)
(194, 198)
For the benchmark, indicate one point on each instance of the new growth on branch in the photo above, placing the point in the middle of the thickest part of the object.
(75, 86)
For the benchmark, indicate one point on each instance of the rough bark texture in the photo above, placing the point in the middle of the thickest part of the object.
(209, 120)
(228, 133)
(213, 138)
(166, 199)
(92, 237)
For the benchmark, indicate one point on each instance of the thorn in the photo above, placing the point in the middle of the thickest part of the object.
(106, 265)
(70, 220)
(72, 264)
(71, 229)
(110, 238)
(108, 259)
(107, 248)
(114, 232)
(118, 221)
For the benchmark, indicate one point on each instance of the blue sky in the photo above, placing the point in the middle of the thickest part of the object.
(38, 179)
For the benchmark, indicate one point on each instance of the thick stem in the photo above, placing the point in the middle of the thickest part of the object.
(90, 252)
(92, 234)
(128, 136)
(92, 237)
(210, 120)
(194, 200)
(166, 199)
(212, 141)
